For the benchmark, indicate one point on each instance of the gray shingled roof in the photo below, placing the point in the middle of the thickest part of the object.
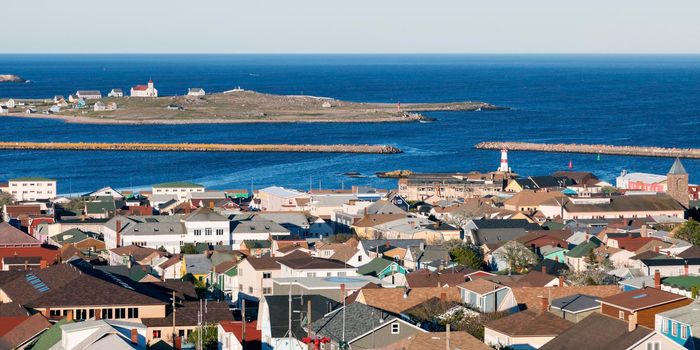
(359, 319)
(576, 303)
(677, 168)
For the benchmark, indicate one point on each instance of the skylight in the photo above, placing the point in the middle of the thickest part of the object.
(38, 284)
(639, 296)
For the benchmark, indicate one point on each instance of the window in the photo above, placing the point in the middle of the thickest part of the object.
(684, 332)
(674, 329)
(267, 290)
(311, 274)
(133, 312)
(240, 287)
(653, 346)
(120, 313)
(395, 328)
(91, 313)
(55, 313)
(267, 275)
(106, 313)
(664, 326)
(250, 290)
(197, 232)
(180, 332)
(621, 315)
(156, 334)
(207, 231)
(219, 232)
(359, 258)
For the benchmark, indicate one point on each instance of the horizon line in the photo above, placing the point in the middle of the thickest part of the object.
(371, 53)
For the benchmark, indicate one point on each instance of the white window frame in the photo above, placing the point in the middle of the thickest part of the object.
(674, 329)
(621, 315)
(684, 331)
(395, 328)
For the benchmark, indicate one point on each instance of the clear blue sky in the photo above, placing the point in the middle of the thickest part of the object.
(357, 26)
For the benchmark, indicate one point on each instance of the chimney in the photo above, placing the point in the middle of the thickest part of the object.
(98, 314)
(545, 303)
(657, 279)
(119, 232)
(43, 264)
(544, 268)
(178, 343)
(342, 292)
(685, 268)
(134, 336)
(187, 208)
(46, 312)
(211, 204)
(70, 315)
(632, 324)
(443, 297)
(561, 281)
(645, 231)
(447, 335)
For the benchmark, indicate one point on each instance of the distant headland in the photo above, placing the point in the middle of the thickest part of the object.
(11, 78)
(144, 106)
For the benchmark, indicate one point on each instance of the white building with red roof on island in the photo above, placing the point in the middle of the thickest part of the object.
(144, 90)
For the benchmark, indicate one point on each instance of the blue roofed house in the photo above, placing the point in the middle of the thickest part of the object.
(681, 325)
(487, 296)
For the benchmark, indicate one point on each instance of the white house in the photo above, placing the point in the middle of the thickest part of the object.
(486, 296)
(280, 199)
(89, 94)
(10, 103)
(207, 226)
(144, 90)
(195, 92)
(307, 266)
(116, 93)
(102, 334)
(3, 110)
(99, 106)
(32, 188)
(180, 189)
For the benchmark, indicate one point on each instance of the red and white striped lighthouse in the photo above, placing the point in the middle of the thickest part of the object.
(504, 161)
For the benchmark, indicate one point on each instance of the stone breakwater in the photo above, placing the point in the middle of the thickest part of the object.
(642, 151)
(198, 147)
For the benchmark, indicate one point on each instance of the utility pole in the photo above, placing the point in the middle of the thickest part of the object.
(289, 330)
(308, 321)
(174, 334)
(447, 335)
(243, 325)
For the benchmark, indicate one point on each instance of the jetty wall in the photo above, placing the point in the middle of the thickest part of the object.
(641, 151)
(198, 147)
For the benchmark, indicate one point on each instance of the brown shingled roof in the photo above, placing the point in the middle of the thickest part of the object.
(530, 324)
(530, 298)
(642, 298)
(372, 220)
(393, 300)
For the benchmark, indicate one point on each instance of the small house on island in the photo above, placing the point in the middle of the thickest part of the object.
(89, 94)
(116, 93)
(195, 92)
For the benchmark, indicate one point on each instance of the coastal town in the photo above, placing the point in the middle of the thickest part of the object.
(468, 260)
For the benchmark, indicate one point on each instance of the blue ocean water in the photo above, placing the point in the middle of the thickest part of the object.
(621, 100)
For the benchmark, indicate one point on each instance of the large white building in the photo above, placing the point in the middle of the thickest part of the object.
(32, 188)
(144, 90)
(180, 189)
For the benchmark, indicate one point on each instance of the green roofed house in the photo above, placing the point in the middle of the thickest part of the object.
(384, 269)
(178, 188)
(50, 337)
(577, 257)
(256, 247)
(682, 285)
(103, 208)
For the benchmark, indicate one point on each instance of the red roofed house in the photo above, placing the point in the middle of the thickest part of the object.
(231, 335)
(144, 90)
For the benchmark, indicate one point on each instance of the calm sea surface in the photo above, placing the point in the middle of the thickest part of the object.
(621, 100)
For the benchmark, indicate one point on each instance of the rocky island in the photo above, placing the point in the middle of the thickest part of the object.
(11, 78)
(246, 107)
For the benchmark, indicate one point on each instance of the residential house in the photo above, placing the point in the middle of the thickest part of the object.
(197, 265)
(21, 330)
(251, 227)
(538, 183)
(170, 268)
(400, 300)
(51, 291)
(336, 288)
(133, 254)
(494, 231)
(621, 206)
(280, 199)
(363, 327)
(32, 188)
(349, 252)
(436, 340)
(681, 325)
(301, 265)
(575, 307)
(529, 201)
(451, 277)
(426, 256)
(524, 330)
(419, 187)
(273, 319)
(238, 335)
(115, 93)
(486, 296)
(255, 277)
(186, 319)
(102, 334)
(181, 189)
(195, 92)
(384, 269)
(670, 266)
(89, 94)
(598, 331)
(643, 304)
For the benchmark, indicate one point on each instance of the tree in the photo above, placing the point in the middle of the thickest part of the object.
(75, 204)
(468, 255)
(590, 277)
(5, 199)
(209, 337)
(188, 248)
(517, 255)
(339, 238)
(689, 231)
